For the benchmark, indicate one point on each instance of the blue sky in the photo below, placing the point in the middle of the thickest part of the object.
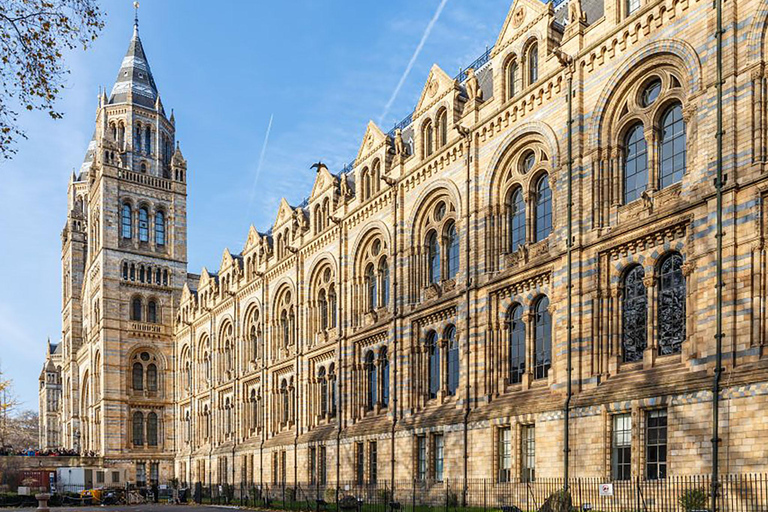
(320, 69)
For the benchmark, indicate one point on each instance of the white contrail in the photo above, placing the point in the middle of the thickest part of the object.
(258, 167)
(415, 55)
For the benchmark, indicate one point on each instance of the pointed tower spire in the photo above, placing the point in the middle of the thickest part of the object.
(135, 83)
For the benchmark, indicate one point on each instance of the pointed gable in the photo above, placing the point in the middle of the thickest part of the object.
(437, 86)
(252, 241)
(205, 279)
(374, 138)
(323, 180)
(226, 261)
(284, 213)
(520, 15)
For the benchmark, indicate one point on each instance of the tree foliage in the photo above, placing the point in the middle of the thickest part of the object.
(8, 404)
(34, 34)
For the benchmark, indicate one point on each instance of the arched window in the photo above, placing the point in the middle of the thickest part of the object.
(125, 271)
(452, 241)
(511, 79)
(332, 386)
(159, 228)
(322, 304)
(141, 274)
(384, 276)
(285, 328)
(516, 220)
(152, 429)
(370, 371)
(672, 147)
(433, 352)
(323, 391)
(634, 308)
(516, 344)
(137, 139)
(332, 305)
(442, 125)
(152, 377)
(533, 64)
(453, 360)
(147, 140)
(543, 340)
(366, 184)
(384, 367)
(254, 410)
(127, 222)
(671, 305)
(138, 377)
(207, 366)
(433, 257)
(157, 276)
(143, 225)
(188, 369)
(371, 284)
(428, 138)
(635, 163)
(228, 416)
(138, 428)
(152, 312)
(543, 209)
(136, 309)
(284, 393)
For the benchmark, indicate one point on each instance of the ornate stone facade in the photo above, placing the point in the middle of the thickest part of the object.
(409, 320)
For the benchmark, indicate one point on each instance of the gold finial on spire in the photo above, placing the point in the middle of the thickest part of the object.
(135, 14)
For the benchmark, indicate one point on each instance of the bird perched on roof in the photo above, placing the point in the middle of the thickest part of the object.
(317, 166)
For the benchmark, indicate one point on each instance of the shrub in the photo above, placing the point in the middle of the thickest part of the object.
(290, 494)
(330, 494)
(693, 499)
(452, 499)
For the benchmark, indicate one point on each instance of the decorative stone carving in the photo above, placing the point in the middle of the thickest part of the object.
(399, 144)
(519, 17)
(473, 86)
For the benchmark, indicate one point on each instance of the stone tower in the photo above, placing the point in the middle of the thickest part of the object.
(124, 260)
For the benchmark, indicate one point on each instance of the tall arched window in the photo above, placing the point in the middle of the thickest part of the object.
(126, 221)
(322, 304)
(453, 360)
(152, 429)
(384, 366)
(635, 164)
(543, 340)
(442, 126)
(516, 329)
(147, 140)
(137, 139)
(332, 305)
(152, 377)
(137, 374)
(428, 135)
(672, 147)
(433, 257)
(285, 328)
(533, 63)
(370, 371)
(188, 370)
(136, 309)
(635, 306)
(543, 209)
(516, 220)
(152, 312)
(286, 402)
(433, 353)
(370, 282)
(254, 410)
(384, 276)
(332, 390)
(323, 391)
(452, 242)
(143, 225)
(511, 79)
(138, 428)
(671, 305)
(159, 228)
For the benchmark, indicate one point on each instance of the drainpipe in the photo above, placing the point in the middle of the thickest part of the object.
(467, 134)
(719, 284)
(567, 61)
(393, 356)
(340, 332)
